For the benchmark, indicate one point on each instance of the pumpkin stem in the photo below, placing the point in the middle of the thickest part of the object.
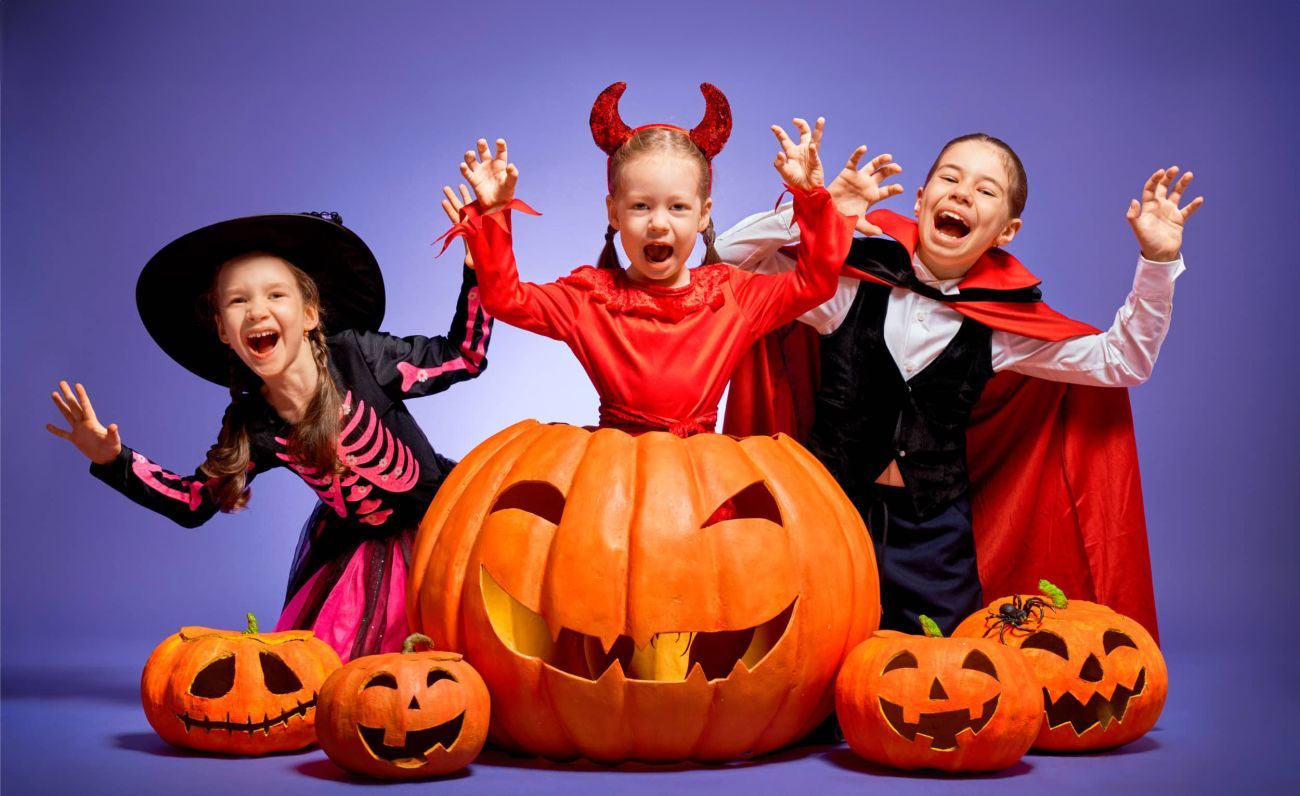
(408, 646)
(1051, 590)
(930, 627)
(252, 625)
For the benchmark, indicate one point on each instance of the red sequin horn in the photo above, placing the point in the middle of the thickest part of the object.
(710, 135)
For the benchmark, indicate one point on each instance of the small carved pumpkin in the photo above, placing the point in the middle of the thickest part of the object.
(1103, 678)
(955, 704)
(645, 597)
(404, 715)
(239, 693)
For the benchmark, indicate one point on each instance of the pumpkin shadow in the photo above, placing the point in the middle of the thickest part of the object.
(845, 758)
(496, 757)
(1140, 746)
(150, 744)
(323, 769)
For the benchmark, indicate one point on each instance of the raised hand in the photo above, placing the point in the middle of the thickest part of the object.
(1157, 220)
(856, 190)
(492, 177)
(799, 164)
(451, 206)
(100, 445)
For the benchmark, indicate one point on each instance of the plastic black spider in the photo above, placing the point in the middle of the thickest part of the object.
(1013, 615)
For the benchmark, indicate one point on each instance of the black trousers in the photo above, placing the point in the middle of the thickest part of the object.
(927, 564)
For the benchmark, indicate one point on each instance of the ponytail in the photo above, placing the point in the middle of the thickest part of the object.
(710, 253)
(609, 255)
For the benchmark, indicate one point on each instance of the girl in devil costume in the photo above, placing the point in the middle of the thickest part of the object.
(328, 407)
(659, 340)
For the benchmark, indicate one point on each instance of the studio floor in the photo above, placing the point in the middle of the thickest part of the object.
(1225, 729)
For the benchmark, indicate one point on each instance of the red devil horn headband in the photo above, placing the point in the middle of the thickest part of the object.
(710, 135)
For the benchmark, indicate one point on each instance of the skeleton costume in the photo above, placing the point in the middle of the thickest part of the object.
(348, 578)
(659, 357)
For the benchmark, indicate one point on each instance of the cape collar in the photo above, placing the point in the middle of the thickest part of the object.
(995, 269)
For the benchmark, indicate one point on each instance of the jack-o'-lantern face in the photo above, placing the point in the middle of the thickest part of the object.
(1103, 678)
(239, 693)
(611, 587)
(953, 704)
(404, 715)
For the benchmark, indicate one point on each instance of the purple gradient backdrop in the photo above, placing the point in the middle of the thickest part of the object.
(128, 123)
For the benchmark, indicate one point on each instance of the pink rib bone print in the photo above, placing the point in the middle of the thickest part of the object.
(145, 470)
(471, 358)
(384, 461)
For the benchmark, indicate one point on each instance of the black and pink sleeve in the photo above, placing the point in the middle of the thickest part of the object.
(409, 367)
(182, 499)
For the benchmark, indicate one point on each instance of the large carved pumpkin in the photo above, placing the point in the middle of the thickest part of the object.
(645, 597)
(955, 704)
(1104, 680)
(404, 715)
(243, 693)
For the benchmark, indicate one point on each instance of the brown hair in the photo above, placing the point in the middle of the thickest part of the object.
(314, 438)
(654, 140)
(1018, 190)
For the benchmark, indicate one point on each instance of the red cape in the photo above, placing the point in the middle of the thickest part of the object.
(1055, 489)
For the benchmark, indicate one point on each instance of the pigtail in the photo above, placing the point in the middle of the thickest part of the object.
(314, 440)
(609, 255)
(227, 461)
(710, 254)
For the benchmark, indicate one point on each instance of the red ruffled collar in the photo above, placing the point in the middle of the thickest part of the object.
(621, 295)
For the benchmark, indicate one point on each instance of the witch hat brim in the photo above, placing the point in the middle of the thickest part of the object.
(169, 293)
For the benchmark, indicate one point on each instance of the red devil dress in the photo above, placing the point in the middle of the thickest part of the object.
(659, 358)
(349, 573)
(1051, 467)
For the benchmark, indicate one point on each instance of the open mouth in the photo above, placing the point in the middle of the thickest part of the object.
(1097, 711)
(249, 726)
(657, 252)
(419, 743)
(940, 728)
(261, 343)
(951, 225)
(669, 656)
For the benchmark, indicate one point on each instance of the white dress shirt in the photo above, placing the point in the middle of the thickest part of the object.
(918, 329)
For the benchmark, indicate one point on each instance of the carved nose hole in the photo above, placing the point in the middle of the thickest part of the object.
(1091, 670)
(415, 704)
(936, 690)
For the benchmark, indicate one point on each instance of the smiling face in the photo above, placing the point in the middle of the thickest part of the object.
(965, 207)
(658, 210)
(645, 597)
(261, 313)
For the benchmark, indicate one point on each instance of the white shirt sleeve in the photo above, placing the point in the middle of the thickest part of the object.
(755, 245)
(1122, 356)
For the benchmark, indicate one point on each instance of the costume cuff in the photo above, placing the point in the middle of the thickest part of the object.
(112, 473)
(472, 216)
(1155, 280)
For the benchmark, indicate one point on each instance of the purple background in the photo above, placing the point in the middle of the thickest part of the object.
(126, 124)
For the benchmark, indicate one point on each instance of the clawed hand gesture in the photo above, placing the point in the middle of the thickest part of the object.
(1157, 220)
(100, 445)
(493, 178)
(451, 205)
(856, 190)
(799, 164)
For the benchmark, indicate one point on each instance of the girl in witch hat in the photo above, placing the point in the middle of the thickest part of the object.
(246, 303)
(658, 339)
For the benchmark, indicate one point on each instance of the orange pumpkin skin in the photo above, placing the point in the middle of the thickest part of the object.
(552, 550)
(967, 704)
(1103, 678)
(237, 693)
(404, 715)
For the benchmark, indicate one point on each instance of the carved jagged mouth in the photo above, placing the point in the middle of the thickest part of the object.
(1098, 710)
(419, 743)
(940, 728)
(249, 726)
(668, 657)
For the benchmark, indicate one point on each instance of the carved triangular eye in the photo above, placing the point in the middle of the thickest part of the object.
(903, 660)
(535, 497)
(753, 502)
(1043, 640)
(980, 662)
(279, 678)
(216, 679)
(1114, 638)
(438, 674)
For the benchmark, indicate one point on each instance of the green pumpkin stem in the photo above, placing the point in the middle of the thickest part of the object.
(1051, 590)
(252, 625)
(408, 646)
(930, 627)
